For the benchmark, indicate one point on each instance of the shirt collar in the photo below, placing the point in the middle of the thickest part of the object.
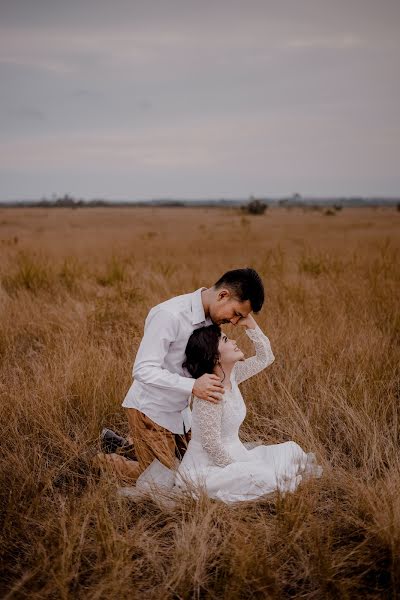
(198, 315)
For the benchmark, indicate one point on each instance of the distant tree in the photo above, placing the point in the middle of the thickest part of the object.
(255, 207)
(66, 200)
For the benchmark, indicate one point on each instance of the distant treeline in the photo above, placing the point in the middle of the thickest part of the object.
(296, 200)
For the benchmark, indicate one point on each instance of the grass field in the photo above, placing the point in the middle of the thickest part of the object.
(75, 288)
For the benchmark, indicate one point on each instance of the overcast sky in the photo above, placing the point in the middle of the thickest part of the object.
(204, 98)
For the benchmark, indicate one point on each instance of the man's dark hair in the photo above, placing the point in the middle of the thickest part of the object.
(245, 284)
(202, 350)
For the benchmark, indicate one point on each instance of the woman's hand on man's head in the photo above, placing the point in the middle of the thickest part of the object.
(249, 322)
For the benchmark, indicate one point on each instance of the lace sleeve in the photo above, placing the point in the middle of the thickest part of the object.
(209, 420)
(263, 358)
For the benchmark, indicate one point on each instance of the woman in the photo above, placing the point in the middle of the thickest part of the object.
(216, 460)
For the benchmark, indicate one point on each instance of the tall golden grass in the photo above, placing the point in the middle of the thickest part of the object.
(76, 286)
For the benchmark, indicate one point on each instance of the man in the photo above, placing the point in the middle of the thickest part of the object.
(157, 403)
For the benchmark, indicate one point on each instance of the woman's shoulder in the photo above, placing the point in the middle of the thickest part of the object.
(226, 399)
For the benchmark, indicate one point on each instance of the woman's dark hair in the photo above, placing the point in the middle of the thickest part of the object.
(245, 284)
(202, 350)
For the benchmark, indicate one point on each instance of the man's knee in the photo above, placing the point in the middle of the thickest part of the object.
(150, 440)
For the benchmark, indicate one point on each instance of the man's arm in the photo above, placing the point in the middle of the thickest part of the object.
(161, 329)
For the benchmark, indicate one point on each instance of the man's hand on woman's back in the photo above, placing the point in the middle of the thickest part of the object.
(208, 387)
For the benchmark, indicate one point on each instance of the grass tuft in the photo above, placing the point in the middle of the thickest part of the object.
(29, 272)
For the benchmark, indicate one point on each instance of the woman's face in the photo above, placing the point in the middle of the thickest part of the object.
(228, 351)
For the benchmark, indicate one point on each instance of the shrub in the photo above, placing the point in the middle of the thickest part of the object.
(255, 207)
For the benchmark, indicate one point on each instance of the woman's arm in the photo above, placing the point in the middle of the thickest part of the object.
(264, 355)
(209, 419)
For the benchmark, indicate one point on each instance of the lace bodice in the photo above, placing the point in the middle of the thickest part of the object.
(216, 426)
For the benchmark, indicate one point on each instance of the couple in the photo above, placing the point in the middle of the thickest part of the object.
(185, 354)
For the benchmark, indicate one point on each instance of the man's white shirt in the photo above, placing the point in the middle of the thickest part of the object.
(162, 388)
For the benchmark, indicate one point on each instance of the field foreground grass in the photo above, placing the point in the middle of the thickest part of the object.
(75, 288)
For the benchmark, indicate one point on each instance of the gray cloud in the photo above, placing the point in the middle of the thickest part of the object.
(28, 113)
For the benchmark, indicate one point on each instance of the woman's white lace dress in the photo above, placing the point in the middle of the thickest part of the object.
(218, 462)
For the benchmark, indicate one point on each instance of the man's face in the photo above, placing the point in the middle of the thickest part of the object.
(227, 309)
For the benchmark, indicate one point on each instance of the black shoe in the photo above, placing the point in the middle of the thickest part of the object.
(111, 442)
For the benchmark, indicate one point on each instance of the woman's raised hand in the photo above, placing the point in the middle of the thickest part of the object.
(249, 322)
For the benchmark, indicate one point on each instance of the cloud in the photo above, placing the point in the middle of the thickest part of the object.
(26, 113)
(342, 42)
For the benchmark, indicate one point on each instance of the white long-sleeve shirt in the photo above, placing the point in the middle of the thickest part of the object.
(161, 388)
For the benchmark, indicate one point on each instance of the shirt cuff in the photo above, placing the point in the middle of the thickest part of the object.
(187, 384)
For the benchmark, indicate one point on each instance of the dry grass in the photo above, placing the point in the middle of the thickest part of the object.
(76, 286)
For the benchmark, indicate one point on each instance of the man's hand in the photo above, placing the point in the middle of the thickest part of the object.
(208, 387)
(249, 322)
